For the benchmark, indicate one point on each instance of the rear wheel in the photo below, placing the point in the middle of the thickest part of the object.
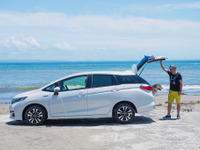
(35, 115)
(124, 113)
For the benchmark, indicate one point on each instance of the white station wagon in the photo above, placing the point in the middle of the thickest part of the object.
(88, 95)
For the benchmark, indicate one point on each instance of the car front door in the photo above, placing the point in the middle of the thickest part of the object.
(71, 100)
(103, 93)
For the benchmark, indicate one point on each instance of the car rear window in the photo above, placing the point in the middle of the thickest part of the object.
(130, 79)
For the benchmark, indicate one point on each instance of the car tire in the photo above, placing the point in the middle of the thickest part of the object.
(124, 113)
(35, 115)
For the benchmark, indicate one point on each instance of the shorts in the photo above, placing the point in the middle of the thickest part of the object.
(174, 95)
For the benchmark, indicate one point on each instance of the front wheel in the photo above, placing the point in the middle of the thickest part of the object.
(35, 115)
(124, 113)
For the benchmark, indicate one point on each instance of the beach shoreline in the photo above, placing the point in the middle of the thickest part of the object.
(148, 131)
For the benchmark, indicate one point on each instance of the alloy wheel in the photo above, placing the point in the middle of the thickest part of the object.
(124, 113)
(35, 115)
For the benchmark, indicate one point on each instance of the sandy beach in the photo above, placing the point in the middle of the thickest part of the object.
(148, 131)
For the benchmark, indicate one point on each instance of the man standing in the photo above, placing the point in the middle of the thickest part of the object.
(176, 85)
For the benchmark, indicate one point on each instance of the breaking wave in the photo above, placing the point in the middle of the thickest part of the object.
(187, 89)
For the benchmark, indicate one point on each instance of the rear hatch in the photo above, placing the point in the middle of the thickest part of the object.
(148, 59)
(144, 61)
(141, 64)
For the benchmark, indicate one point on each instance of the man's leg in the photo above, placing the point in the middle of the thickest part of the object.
(170, 101)
(169, 108)
(178, 99)
(178, 109)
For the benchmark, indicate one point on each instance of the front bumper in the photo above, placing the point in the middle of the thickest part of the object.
(12, 114)
(15, 111)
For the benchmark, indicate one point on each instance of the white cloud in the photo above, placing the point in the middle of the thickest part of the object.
(98, 24)
(31, 41)
(96, 33)
(159, 8)
(31, 19)
(63, 46)
(194, 5)
(13, 42)
(19, 44)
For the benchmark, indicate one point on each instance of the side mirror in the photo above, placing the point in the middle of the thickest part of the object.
(56, 90)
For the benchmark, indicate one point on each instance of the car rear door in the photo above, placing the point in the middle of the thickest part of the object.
(103, 93)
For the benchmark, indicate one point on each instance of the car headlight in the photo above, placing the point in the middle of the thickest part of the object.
(14, 100)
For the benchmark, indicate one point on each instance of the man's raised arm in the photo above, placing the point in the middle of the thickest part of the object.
(163, 66)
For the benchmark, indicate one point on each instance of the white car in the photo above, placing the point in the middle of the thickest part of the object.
(88, 95)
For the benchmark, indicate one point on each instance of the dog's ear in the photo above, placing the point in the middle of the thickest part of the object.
(154, 86)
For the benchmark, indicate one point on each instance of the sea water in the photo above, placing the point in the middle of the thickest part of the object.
(18, 77)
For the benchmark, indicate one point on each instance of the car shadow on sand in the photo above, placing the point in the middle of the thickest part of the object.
(86, 122)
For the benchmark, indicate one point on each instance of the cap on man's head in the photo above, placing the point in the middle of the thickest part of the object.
(172, 66)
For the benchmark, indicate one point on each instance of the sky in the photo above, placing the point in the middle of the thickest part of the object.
(101, 30)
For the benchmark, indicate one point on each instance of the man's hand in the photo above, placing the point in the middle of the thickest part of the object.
(179, 93)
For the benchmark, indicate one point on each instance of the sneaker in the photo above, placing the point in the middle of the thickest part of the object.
(167, 117)
(178, 117)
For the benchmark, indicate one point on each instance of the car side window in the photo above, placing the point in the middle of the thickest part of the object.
(103, 80)
(74, 83)
(130, 79)
(51, 87)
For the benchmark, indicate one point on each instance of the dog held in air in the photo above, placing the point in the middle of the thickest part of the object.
(156, 87)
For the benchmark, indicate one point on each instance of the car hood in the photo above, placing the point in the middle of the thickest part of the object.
(25, 93)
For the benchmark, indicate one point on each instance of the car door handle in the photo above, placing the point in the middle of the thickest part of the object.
(115, 90)
(81, 94)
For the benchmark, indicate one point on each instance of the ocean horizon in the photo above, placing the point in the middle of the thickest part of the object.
(21, 76)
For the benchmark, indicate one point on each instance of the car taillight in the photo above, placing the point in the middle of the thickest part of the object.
(149, 88)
